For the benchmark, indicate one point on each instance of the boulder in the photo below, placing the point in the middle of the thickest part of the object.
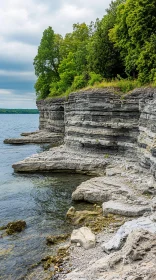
(84, 236)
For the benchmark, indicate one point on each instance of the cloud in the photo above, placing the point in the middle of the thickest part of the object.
(22, 25)
(14, 99)
(29, 75)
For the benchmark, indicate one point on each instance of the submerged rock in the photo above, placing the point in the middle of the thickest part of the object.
(84, 236)
(55, 239)
(14, 227)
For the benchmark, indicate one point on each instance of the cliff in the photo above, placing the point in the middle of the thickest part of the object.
(111, 135)
(106, 122)
(97, 121)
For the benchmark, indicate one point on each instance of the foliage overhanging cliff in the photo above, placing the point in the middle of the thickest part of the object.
(120, 46)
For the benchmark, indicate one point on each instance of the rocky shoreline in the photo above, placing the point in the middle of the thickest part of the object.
(113, 137)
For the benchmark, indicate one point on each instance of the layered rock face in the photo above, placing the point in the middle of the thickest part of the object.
(103, 120)
(51, 115)
(51, 125)
(147, 133)
(97, 123)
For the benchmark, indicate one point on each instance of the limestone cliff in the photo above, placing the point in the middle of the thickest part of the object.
(99, 121)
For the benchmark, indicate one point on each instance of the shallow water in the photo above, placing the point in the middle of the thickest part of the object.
(42, 200)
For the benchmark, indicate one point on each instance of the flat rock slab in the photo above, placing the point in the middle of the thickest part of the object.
(101, 189)
(145, 223)
(63, 159)
(124, 209)
(37, 137)
(84, 236)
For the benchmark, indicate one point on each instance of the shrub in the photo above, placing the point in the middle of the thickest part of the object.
(79, 82)
(94, 78)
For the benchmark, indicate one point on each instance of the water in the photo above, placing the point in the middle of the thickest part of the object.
(42, 200)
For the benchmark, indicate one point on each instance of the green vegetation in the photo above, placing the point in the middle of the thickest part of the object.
(18, 111)
(117, 51)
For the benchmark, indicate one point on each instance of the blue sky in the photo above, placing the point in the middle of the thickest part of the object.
(22, 25)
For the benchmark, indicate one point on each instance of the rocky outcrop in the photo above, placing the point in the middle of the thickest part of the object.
(61, 159)
(116, 242)
(38, 137)
(51, 115)
(136, 260)
(100, 121)
(147, 134)
(51, 125)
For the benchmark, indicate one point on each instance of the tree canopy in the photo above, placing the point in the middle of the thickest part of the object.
(120, 45)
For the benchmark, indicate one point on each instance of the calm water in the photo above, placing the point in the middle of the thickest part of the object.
(42, 200)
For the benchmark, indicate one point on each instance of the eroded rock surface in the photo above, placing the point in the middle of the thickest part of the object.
(117, 241)
(124, 209)
(136, 260)
(63, 159)
(99, 122)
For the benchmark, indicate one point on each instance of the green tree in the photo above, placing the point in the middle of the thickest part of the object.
(73, 51)
(47, 61)
(103, 57)
(134, 34)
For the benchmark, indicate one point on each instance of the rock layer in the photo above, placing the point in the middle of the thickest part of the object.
(38, 137)
(100, 121)
(51, 125)
(51, 115)
(60, 159)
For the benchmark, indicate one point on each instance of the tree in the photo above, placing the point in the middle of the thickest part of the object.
(103, 57)
(73, 51)
(133, 35)
(47, 61)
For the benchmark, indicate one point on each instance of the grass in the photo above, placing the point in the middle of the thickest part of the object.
(122, 87)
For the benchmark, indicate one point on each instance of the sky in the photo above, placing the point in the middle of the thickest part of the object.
(21, 29)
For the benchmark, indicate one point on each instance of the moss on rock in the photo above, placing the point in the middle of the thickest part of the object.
(13, 227)
(93, 219)
(55, 239)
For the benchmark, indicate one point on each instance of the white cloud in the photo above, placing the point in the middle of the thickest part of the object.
(22, 22)
(4, 91)
(26, 75)
(13, 99)
(22, 25)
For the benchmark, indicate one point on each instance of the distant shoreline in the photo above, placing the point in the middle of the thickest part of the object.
(19, 111)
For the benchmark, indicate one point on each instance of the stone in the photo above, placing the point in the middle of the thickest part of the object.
(84, 236)
(136, 260)
(117, 241)
(14, 227)
(62, 159)
(124, 209)
(102, 189)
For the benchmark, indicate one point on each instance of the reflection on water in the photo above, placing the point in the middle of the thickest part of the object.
(42, 200)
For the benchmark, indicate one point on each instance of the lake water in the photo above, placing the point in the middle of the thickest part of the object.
(42, 200)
